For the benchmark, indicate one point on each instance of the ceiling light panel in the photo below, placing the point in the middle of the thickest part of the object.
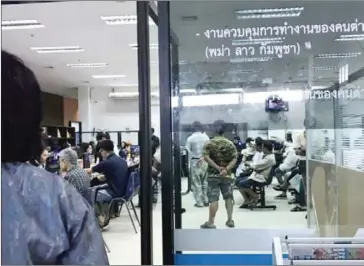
(108, 76)
(250, 59)
(339, 55)
(262, 41)
(60, 49)
(87, 65)
(20, 24)
(322, 68)
(122, 20)
(151, 46)
(269, 13)
(350, 37)
(242, 71)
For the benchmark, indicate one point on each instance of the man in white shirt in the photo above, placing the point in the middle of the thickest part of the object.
(195, 144)
(259, 176)
(289, 162)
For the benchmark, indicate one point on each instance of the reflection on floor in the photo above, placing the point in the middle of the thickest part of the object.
(125, 244)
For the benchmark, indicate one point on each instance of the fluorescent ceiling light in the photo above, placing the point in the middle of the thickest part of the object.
(151, 46)
(241, 71)
(122, 20)
(322, 68)
(211, 99)
(260, 97)
(61, 49)
(351, 37)
(212, 91)
(107, 76)
(269, 13)
(250, 59)
(20, 24)
(87, 65)
(340, 55)
(262, 41)
(187, 91)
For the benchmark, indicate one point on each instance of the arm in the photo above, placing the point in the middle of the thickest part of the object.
(86, 246)
(206, 157)
(262, 165)
(101, 167)
(232, 163)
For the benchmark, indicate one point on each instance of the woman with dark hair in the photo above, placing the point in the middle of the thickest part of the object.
(41, 160)
(44, 219)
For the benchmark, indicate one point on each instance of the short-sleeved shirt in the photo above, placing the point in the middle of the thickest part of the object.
(222, 151)
(78, 177)
(115, 170)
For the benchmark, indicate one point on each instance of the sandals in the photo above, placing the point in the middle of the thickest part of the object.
(245, 205)
(281, 196)
(278, 188)
(299, 209)
(207, 225)
(230, 224)
(253, 203)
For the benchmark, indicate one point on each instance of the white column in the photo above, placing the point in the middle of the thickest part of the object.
(84, 112)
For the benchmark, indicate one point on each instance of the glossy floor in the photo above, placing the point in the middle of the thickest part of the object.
(125, 244)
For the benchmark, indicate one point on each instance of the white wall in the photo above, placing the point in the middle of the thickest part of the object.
(120, 115)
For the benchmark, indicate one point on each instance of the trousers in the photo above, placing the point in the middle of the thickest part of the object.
(199, 181)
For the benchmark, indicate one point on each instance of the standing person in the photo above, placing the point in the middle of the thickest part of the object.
(75, 175)
(220, 154)
(301, 144)
(44, 219)
(155, 142)
(195, 144)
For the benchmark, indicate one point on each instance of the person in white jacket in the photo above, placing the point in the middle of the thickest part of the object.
(288, 163)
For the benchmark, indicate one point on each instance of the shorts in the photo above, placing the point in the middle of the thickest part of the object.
(248, 183)
(215, 185)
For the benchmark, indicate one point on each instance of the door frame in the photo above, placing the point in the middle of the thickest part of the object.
(169, 122)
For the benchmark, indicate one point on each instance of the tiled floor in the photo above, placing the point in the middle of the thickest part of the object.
(125, 244)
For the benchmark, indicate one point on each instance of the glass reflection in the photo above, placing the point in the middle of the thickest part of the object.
(271, 70)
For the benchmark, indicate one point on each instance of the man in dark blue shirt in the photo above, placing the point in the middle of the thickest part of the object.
(115, 170)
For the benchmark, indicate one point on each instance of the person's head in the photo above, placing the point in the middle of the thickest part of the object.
(259, 144)
(21, 111)
(219, 127)
(152, 129)
(43, 156)
(267, 147)
(89, 149)
(249, 142)
(106, 148)
(101, 136)
(236, 139)
(197, 127)
(67, 159)
(289, 137)
(123, 145)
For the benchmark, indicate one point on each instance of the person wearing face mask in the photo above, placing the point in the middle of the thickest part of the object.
(115, 170)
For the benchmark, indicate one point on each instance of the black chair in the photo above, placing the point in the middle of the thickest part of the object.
(127, 201)
(91, 199)
(260, 191)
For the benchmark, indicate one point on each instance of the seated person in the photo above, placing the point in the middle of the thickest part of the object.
(245, 168)
(289, 162)
(249, 151)
(41, 160)
(115, 170)
(75, 175)
(258, 177)
(294, 171)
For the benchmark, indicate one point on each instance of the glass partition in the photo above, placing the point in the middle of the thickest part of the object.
(268, 69)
